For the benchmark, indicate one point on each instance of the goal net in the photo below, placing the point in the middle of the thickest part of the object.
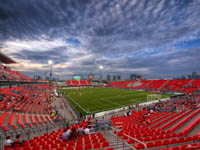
(154, 97)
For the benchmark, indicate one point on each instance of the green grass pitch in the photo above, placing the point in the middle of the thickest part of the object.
(89, 100)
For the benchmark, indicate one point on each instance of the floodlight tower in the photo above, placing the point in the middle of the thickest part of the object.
(101, 69)
(50, 62)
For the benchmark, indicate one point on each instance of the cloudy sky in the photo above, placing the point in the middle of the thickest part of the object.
(155, 38)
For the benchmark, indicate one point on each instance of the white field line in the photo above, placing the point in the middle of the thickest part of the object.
(103, 99)
(77, 104)
(95, 110)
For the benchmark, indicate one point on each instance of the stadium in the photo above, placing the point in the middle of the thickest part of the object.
(99, 75)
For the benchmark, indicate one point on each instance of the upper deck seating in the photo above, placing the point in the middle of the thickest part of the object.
(78, 83)
(175, 85)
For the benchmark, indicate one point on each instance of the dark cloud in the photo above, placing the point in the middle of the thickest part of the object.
(124, 36)
(56, 54)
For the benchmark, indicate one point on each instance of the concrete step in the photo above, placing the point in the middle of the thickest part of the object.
(116, 142)
(186, 124)
(177, 121)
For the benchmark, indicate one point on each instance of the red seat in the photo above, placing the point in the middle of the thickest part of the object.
(18, 148)
(147, 138)
(196, 137)
(26, 120)
(130, 141)
(149, 144)
(165, 142)
(10, 120)
(71, 143)
(180, 140)
(173, 141)
(96, 145)
(102, 139)
(157, 143)
(17, 145)
(61, 148)
(79, 147)
(105, 144)
(45, 146)
(87, 141)
(2, 119)
(175, 148)
(139, 146)
(70, 148)
(88, 146)
(63, 144)
(186, 139)
(37, 148)
(19, 120)
(109, 148)
(54, 146)
(27, 148)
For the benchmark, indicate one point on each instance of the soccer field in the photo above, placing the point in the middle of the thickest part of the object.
(89, 100)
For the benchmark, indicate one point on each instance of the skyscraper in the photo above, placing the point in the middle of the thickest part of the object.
(108, 77)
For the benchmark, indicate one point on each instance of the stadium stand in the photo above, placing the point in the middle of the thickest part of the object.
(8, 74)
(78, 82)
(162, 130)
(143, 129)
(166, 125)
(18, 100)
(174, 85)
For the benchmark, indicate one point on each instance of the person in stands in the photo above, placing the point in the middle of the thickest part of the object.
(87, 130)
(80, 130)
(8, 141)
(66, 133)
(18, 140)
(74, 133)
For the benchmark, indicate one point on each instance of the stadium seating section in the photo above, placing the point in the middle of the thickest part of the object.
(160, 129)
(30, 105)
(174, 85)
(7, 74)
(25, 106)
(54, 141)
(169, 130)
(78, 82)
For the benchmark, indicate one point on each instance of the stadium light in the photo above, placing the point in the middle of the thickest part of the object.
(50, 62)
(101, 67)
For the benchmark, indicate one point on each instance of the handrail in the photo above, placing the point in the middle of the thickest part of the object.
(145, 146)
(29, 130)
(45, 126)
(131, 138)
(125, 142)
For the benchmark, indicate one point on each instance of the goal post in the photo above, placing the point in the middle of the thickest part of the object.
(154, 97)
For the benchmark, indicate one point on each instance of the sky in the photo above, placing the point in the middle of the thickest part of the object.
(154, 38)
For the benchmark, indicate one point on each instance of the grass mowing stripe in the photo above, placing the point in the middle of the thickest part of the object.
(101, 99)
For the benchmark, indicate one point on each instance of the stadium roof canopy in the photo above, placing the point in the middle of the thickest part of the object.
(6, 60)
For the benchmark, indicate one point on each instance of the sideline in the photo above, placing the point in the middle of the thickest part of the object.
(74, 101)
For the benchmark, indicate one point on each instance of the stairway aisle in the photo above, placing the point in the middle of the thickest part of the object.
(115, 141)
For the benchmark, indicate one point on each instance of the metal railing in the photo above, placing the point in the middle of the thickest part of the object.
(123, 142)
(145, 146)
(138, 141)
(29, 132)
